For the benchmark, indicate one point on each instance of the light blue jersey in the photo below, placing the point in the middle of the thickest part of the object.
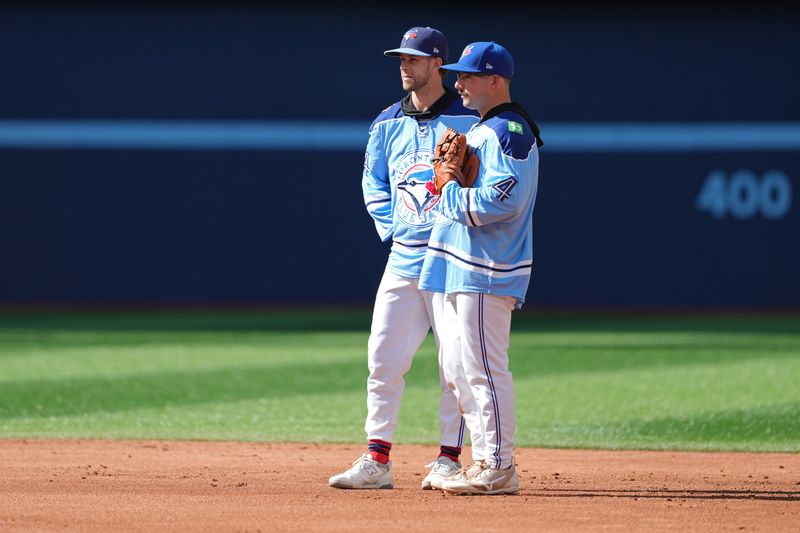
(486, 244)
(397, 166)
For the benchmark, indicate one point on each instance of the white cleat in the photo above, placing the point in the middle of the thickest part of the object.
(366, 473)
(441, 468)
(484, 480)
(459, 476)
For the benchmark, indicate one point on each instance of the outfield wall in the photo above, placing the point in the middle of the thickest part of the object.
(150, 155)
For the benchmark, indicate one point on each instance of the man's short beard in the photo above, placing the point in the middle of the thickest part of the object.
(416, 84)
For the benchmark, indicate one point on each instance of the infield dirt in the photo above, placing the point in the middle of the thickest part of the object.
(105, 485)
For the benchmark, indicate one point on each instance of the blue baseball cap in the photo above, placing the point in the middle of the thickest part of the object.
(484, 58)
(419, 41)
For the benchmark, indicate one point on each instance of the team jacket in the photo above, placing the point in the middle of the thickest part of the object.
(396, 167)
(486, 243)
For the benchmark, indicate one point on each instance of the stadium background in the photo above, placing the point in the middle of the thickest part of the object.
(669, 175)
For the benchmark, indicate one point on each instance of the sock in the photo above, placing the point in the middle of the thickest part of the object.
(379, 450)
(451, 452)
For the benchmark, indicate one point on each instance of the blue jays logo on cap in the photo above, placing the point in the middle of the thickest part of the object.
(424, 42)
(484, 58)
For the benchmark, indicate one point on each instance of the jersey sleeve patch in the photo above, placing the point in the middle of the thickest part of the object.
(514, 135)
(515, 127)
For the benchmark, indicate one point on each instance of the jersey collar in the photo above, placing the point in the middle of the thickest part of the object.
(438, 106)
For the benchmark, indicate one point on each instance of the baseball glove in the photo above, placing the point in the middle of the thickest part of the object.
(470, 168)
(452, 160)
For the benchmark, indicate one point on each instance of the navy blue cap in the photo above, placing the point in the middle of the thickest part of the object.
(419, 41)
(484, 58)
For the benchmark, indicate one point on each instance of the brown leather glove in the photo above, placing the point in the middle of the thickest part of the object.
(453, 159)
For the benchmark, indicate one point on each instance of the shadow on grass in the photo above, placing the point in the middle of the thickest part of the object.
(785, 323)
(534, 359)
(65, 397)
(359, 318)
(531, 356)
(777, 423)
(289, 320)
(72, 396)
(772, 427)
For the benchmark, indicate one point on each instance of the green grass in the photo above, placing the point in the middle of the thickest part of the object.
(658, 382)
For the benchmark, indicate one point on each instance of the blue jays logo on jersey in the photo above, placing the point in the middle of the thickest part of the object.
(415, 202)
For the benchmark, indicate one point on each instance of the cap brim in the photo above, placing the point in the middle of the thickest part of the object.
(458, 67)
(408, 51)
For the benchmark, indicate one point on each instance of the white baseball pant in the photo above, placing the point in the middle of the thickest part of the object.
(402, 316)
(474, 329)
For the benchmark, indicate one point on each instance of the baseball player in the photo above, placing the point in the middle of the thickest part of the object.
(397, 166)
(480, 263)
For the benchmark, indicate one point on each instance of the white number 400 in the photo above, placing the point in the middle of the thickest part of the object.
(744, 194)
